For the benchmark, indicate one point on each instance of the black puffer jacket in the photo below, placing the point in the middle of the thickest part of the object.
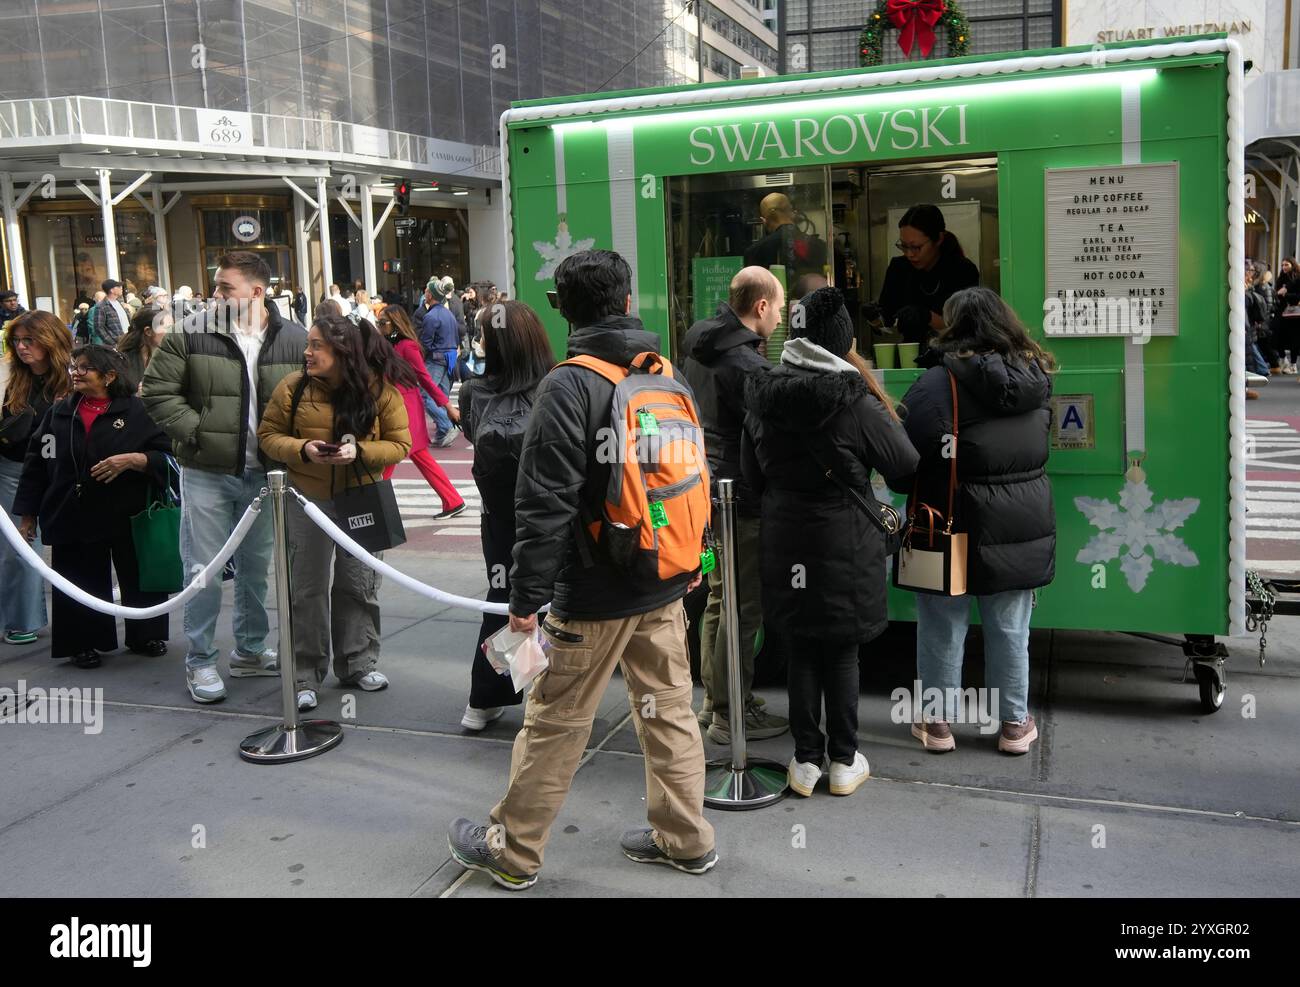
(719, 354)
(1256, 312)
(812, 404)
(1004, 498)
(558, 470)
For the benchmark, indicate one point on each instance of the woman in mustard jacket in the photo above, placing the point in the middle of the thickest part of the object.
(333, 426)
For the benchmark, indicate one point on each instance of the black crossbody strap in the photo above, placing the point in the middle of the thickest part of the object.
(883, 516)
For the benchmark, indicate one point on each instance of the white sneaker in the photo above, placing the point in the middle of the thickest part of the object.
(1256, 380)
(244, 666)
(803, 777)
(373, 681)
(306, 700)
(478, 719)
(845, 778)
(205, 684)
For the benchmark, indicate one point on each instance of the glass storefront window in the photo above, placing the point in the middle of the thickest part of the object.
(66, 261)
(262, 230)
(438, 245)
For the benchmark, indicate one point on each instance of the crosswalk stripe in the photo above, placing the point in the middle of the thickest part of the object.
(1274, 507)
(431, 497)
(1280, 567)
(1283, 484)
(419, 481)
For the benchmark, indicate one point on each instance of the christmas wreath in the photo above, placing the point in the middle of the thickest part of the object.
(917, 21)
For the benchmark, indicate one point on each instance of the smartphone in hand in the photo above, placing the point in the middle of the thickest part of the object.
(328, 449)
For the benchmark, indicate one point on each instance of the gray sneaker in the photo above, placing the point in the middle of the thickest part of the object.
(640, 845)
(205, 684)
(759, 724)
(468, 844)
(705, 715)
(245, 666)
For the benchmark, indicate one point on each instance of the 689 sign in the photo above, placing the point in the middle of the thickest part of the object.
(225, 128)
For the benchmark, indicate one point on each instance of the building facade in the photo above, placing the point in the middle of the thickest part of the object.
(1267, 31)
(818, 35)
(140, 139)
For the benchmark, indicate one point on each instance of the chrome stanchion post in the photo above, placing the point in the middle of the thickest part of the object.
(293, 739)
(737, 782)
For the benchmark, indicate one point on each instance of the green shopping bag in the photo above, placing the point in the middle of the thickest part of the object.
(156, 532)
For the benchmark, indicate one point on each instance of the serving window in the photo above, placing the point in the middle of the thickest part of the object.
(817, 226)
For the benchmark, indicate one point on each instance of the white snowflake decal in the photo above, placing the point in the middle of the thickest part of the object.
(1134, 525)
(564, 246)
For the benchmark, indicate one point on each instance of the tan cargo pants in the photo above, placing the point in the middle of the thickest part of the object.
(651, 649)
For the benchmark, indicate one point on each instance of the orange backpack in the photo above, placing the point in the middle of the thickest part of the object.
(657, 506)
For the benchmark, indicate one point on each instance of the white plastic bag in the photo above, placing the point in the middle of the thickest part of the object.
(522, 656)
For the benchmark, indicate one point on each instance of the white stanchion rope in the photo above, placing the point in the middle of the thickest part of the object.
(196, 585)
(340, 538)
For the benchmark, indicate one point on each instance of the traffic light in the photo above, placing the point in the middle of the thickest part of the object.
(403, 195)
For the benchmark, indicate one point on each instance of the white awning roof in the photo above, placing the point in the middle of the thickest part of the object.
(72, 133)
(1273, 106)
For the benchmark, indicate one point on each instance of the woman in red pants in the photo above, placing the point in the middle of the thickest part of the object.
(395, 324)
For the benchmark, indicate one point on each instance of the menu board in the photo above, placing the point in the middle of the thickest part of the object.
(711, 282)
(1112, 251)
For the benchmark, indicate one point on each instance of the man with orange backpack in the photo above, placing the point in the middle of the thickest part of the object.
(612, 511)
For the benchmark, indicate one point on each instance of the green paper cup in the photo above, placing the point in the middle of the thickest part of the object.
(907, 354)
(886, 356)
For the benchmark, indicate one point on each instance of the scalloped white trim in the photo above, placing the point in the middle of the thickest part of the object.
(1236, 344)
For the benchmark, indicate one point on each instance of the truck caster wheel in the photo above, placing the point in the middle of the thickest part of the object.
(1213, 685)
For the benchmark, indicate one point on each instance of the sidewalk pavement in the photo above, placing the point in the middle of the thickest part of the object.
(1131, 791)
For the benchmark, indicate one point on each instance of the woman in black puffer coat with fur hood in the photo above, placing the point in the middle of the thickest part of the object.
(823, 561)
(1003, 503)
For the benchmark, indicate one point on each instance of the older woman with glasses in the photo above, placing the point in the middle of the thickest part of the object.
(89, 467)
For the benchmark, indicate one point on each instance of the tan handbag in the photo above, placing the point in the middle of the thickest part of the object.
(932, 558)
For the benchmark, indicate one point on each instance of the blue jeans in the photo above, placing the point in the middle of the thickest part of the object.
(437, 367)
(211, 506)
(22, 590)
(941, 623)
(1255, 361)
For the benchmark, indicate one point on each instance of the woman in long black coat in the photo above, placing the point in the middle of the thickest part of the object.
(90, 466)
(494, 410)
(823, 560)
(1003, 503)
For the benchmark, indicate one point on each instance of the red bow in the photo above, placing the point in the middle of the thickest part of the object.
(915, 20)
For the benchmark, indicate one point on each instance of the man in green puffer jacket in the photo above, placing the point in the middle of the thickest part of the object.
(207, 386)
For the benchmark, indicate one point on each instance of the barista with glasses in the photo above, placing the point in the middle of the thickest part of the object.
(931, 268)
